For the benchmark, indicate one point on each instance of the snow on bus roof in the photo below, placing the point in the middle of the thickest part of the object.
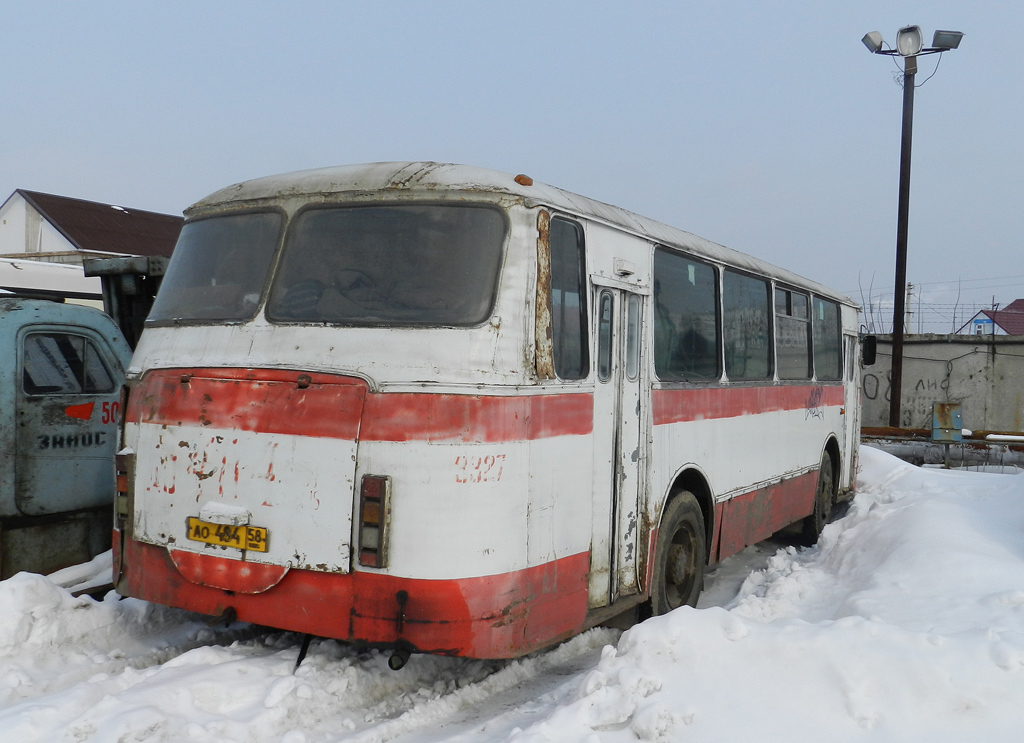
(433, 178)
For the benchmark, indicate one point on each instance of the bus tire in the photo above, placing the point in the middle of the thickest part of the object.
(679, 556)
(824, 500)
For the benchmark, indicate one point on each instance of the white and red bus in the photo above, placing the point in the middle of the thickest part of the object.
(440, 409)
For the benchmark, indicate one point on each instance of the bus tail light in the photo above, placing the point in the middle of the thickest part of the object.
(124, 465)
(124, 473)
(374, 519)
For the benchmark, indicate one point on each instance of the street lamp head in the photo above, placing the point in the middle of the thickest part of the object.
(909, 41)
(946, 39)
(873, 41)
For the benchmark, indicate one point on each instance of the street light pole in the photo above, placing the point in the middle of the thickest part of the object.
(909, 46)
(902, 223)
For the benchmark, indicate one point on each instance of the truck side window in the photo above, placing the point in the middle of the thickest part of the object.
(63, 364)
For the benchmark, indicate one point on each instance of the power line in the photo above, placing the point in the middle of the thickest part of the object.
(953, 283)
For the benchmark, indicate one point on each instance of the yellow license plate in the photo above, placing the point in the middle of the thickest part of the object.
(253, 538)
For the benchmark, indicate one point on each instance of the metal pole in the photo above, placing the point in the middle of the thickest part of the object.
(899, 299)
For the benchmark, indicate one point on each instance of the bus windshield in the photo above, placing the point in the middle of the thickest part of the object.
(219, 269)
(390, 265)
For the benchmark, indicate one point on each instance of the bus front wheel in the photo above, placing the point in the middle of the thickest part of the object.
(679, 557)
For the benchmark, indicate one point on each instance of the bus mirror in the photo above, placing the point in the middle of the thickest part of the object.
(869, 347)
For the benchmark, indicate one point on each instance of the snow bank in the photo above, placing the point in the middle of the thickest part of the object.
(905, 622)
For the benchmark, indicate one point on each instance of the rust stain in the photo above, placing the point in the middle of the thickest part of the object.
(542, 331)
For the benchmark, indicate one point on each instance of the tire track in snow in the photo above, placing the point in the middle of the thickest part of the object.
(459, 712)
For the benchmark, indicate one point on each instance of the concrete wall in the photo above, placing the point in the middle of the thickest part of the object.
(983, 373)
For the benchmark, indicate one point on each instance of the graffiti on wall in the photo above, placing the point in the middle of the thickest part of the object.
(918, 396)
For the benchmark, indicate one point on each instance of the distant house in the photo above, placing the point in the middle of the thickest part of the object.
(1007, 321)
(39, 230)
(66, 230)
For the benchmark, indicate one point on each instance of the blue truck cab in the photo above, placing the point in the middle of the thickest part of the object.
(61, 377)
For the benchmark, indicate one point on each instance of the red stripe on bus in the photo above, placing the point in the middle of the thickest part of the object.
(704, 403)
(475, 418)
(277, 402)
(332, 406)
(495, 616)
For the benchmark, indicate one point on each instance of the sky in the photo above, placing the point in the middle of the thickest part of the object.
(766, 127)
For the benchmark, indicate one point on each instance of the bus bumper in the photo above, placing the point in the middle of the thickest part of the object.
(497, 616)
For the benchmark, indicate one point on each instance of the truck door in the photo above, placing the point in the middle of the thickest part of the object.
(67, 404)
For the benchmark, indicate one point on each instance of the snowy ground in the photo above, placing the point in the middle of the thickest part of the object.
(905, 623)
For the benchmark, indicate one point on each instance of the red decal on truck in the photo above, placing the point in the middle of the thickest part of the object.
(81, 412)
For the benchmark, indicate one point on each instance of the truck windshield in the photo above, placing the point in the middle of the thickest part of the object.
(218, 269)
(390, 265)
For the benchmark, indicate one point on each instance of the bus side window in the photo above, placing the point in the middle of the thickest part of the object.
(686, 335)
(825, 333)
(746, 327)
(851, 355)
(633, 338)
(604, 337)
(570, 344)
(792, 335)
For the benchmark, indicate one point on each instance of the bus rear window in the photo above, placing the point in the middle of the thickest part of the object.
(390, 265)
(218, 269)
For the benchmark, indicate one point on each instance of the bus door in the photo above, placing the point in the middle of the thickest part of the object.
(851, 404)
(619, 454)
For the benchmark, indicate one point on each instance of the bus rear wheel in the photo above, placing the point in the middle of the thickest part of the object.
(824, 500)
(679, 557)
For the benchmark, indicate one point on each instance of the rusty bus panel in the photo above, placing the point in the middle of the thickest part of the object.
(545, 360)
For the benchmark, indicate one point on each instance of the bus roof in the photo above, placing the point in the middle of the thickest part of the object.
(418, 178)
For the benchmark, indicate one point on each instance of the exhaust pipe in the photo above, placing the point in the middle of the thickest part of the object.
(398, 659)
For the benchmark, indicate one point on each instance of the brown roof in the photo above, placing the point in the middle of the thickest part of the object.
(106, 228)
(1010, 318)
